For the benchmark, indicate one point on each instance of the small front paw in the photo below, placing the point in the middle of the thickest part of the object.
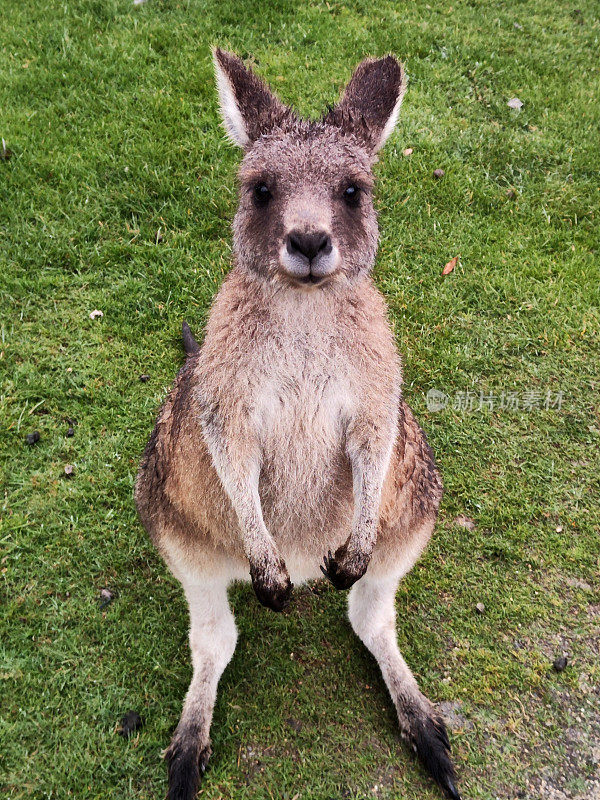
(343, 571)
(272, 585)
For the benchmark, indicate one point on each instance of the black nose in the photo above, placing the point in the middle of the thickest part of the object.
(309, 244)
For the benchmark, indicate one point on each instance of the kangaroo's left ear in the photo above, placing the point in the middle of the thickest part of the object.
(250, 109)
(371, 102)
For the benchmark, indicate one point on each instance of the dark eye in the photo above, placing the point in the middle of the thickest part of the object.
(262, 195)
(352, 195)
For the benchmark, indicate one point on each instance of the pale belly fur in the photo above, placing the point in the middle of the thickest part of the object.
(306, 479)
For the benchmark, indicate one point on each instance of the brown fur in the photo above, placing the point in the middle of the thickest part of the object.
(285, 437)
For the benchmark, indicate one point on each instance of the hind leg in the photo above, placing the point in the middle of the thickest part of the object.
(213, 637)
(372, 613)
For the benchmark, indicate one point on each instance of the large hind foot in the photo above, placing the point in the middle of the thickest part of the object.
(187, 758)
(427, 734)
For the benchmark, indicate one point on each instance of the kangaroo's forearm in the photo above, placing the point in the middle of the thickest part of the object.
(369, 448)
(367, 497)
(238, 468)
(235, 456)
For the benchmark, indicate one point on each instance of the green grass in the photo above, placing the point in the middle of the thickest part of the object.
(111, 116)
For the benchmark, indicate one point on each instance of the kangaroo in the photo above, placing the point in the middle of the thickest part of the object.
(285, 449)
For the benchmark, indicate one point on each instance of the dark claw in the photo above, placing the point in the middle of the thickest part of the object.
(326, 564)
(204, 757)
(451, 790)
(341, 578)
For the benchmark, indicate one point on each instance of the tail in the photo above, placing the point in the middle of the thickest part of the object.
(190, 345)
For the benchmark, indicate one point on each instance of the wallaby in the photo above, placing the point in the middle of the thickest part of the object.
(285, 437)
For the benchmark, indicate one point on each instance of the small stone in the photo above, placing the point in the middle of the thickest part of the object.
(130, 723)
(5, 152)
(560, 663)
(515, 103)
(517, 26)
(71, 432)
(69, 470)
(480, 608)
(32, 438)
(96, 313)
(438, 173)
(559, 528)
(465, 522)
(144, 378)
(106, 597)
(407, 152)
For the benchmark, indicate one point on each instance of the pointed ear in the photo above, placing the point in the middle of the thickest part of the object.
(248, 106)
(371, 102)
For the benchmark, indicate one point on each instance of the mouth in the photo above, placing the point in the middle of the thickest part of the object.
(309, 272)
(312, 280)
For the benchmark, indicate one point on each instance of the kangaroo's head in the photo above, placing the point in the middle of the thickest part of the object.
(306, 214)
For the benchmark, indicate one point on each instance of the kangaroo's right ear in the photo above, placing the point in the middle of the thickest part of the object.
(249, 107)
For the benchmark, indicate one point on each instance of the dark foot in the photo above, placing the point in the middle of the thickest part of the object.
(429, 737)
(187, 761)
(342, 571)
(273, 587)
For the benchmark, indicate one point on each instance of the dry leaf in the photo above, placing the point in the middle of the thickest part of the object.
(450, 266)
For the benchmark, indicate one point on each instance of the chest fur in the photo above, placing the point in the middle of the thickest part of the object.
(300, 409)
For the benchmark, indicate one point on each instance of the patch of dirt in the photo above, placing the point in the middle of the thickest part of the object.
(253, 759)
(575, 771)
(553, 737)
(451, 710)
(577, 583)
